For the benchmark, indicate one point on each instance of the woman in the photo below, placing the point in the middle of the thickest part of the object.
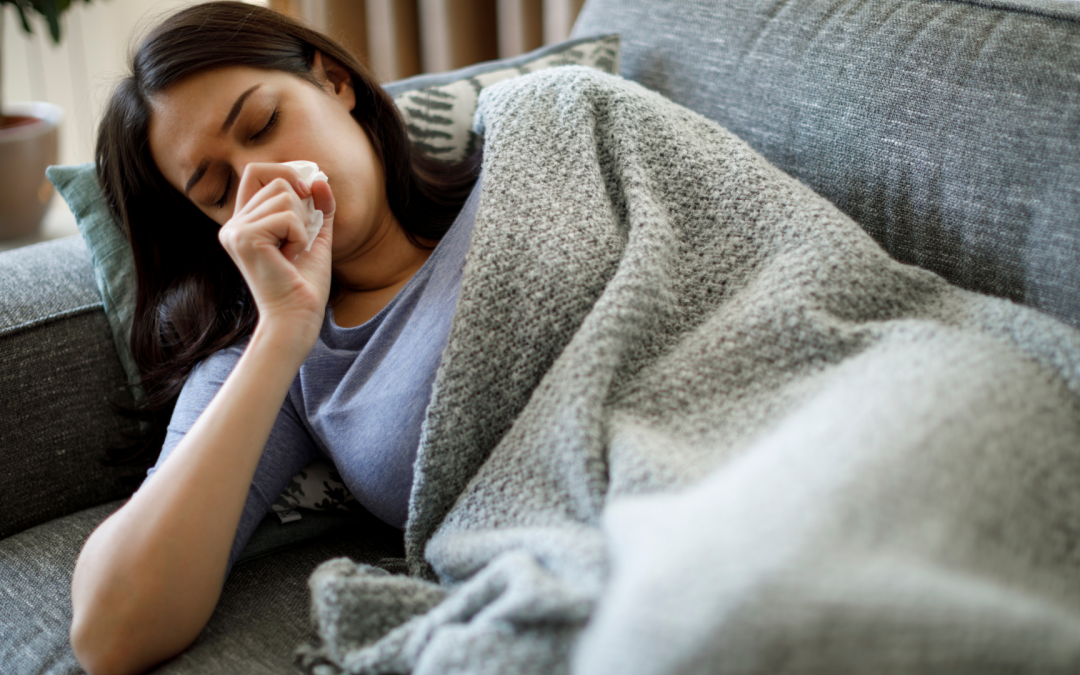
(685, 397)
(329, 351)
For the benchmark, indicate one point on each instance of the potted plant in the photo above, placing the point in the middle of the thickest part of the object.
(28, 135)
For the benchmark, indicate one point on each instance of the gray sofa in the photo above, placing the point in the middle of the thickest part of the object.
(949, 130)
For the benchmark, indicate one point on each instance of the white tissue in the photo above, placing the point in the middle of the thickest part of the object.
(309, 173)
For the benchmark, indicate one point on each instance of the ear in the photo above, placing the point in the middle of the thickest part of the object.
(335, 78)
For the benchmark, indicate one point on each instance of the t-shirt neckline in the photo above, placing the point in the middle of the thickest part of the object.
(422, 272)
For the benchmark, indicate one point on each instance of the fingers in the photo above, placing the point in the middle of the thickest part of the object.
(259, 175)
(323, 200)
(323, 197)
(274, 189)
(294, 247)
(274, 216)
(276, 197)
(247, 238)
(266, 235)
(272, 201)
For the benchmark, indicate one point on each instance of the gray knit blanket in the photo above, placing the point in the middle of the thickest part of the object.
(692, 419)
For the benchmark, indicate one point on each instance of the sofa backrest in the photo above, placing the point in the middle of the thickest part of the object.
(949, 130)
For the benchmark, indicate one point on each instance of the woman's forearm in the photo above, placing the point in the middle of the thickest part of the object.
(149, 577)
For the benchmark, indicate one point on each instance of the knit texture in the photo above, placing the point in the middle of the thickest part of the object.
(690, 404)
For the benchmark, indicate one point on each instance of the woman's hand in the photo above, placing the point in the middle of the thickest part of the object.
(266, 238)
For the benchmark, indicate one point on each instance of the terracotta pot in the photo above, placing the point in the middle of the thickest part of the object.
(25, 150)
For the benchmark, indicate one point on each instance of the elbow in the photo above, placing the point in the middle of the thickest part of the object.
(106, 642)
(124, 619)
(110, 639)
(100, 652)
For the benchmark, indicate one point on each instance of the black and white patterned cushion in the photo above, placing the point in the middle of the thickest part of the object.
(318, 486)
(438, 109)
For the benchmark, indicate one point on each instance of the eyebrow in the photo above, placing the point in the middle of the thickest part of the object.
(225, 126)
(236, 109)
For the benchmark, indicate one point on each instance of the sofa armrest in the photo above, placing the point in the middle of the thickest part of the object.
(59, 379)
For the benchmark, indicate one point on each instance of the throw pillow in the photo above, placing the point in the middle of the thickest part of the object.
(110, 255)
(317, 486)
(438, 110)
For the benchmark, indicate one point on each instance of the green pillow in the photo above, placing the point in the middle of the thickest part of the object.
(438, 111)
(110, 255)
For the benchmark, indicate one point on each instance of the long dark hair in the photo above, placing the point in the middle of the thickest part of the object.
(191, 300)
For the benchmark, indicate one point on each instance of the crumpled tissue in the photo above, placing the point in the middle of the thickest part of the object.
(309, 173)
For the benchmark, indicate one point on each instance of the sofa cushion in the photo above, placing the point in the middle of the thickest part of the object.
(110, 255)
(261, 618)
(948, 129)
(438, 108)
(59, 381)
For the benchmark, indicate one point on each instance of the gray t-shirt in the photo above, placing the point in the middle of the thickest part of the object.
(359, 398)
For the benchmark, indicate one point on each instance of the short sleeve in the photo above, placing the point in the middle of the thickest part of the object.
(288, 450)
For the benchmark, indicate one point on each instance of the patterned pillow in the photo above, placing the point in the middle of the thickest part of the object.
(318, 486)
(438, 110)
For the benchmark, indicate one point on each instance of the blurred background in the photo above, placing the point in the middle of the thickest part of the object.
(395, 38)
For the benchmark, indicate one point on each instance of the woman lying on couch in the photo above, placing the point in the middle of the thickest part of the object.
(679, 413)
(191, 153)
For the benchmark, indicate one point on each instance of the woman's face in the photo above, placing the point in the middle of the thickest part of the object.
(205, 129)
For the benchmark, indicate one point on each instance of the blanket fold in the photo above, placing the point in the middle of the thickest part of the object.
(691, 418)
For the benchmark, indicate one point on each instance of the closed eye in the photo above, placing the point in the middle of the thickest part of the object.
(225, 195)
(228, 183)
(269, 125)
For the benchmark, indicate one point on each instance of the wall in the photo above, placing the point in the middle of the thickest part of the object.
(77, 75)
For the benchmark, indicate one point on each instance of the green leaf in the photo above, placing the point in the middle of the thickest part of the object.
(50, 10)
(22, 17)
(52, 17)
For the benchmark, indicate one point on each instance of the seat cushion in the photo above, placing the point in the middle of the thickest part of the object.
(262, 616)
(948, 129)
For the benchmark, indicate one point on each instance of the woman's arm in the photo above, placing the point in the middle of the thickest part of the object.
(149, 577)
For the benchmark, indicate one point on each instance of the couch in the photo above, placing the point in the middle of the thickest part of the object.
(947, 129)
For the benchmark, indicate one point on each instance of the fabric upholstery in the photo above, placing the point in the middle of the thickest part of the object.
(59, 378)
(947, 129)
(45, 282)
(261, 617)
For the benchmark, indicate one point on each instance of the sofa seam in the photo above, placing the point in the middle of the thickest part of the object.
(56, 316)
(1012, 7)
